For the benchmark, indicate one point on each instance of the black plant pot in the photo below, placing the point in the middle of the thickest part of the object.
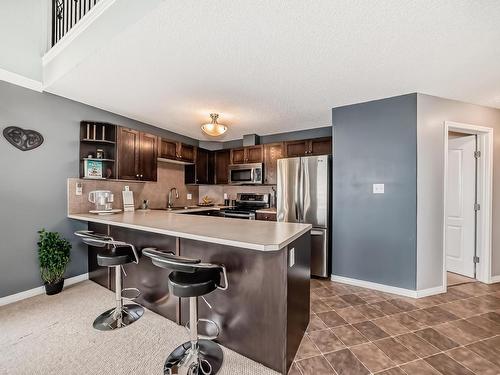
(55, 288)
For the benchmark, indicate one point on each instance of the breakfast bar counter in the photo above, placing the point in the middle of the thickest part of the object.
(249, 234)
(265, 310)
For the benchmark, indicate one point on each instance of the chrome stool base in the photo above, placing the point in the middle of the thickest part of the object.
(110, 320)
(207, 360)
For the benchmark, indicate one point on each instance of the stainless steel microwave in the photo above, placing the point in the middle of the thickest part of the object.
(246, 174)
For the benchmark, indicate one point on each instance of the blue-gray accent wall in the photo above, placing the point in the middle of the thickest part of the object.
(374, 235)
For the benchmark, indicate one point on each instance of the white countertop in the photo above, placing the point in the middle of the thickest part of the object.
(250, 234)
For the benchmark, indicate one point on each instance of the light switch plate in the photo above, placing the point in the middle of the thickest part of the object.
(79, 189)
(378, 189)
(189, 196)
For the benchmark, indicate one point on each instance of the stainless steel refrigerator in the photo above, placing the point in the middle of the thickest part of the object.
(303, 196)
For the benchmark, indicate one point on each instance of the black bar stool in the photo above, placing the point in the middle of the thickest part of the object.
(117, 254)
(192, 279)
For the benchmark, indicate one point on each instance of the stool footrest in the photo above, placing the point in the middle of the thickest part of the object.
(130, 294)
(209, 323)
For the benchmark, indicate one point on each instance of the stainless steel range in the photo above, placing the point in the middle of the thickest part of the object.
(246, 205)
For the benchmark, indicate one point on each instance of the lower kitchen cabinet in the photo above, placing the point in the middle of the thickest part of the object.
(267, 216)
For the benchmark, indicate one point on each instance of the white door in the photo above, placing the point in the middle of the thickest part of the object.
(460, 214)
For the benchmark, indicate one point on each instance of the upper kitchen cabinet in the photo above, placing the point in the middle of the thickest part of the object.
(308, 147)
(250, 154)
(222, 161)
(320, 146)
(128, 154)
(238, 156)
(272, 152)
(255, 154)
(148, 155)
(173, 150)
(137, 154)
(202, 172)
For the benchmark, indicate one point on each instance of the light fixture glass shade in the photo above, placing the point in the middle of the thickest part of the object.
(213, 128)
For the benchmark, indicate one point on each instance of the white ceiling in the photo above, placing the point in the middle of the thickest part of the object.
(277, 66)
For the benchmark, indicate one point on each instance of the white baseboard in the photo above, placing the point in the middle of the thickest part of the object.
(389, 289)
(19, 80)
(39, 290)
(495, 279)
(430, 291)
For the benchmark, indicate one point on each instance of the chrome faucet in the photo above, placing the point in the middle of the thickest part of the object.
(170, 203)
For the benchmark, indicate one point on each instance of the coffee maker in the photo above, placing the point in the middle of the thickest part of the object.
(103, 200)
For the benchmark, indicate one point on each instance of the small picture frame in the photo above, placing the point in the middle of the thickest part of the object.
(93, 169)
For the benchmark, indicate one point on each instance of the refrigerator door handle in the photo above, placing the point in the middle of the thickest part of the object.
(301, 192)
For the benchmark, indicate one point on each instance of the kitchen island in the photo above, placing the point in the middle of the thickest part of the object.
(264, 312)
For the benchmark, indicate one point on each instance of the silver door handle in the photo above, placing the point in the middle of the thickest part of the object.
(317, 232)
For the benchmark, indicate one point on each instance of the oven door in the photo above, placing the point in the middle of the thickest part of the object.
(234, 215)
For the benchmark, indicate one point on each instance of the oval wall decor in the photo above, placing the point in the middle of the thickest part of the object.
(23, 139)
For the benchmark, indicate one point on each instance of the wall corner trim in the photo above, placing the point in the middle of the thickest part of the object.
(19, 80)
(387, 288)
(39, 290)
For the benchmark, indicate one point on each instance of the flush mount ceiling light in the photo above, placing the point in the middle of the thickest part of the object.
(213, 128)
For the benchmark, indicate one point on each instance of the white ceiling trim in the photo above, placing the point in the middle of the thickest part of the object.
(19, 80)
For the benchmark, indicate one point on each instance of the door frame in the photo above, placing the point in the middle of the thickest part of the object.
(484, 196)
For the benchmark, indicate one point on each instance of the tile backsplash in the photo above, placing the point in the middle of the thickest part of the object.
(216, 192)
(169, 175)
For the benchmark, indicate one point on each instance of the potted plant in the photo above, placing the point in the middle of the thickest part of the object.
(53, 255)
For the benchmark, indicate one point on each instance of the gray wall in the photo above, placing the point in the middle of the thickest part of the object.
(374, 236)
(33, 186)
(432, 113)
(23, 36)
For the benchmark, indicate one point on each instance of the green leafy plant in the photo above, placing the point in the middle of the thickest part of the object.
(53, 255)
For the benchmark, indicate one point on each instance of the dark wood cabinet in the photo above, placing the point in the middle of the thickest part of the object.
(254, 154)
(202, 172)
(167, 149)
(128, 153)
(137, 154)
(148, 155)
(296, 148)
(173, 150)
(250, 154)
(222, 161)
(272, 152)
(267, 216)
(186, 152)
(320, 146)
(308, 147)
(238, 156)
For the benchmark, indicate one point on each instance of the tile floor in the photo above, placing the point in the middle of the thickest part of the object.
(359, 331)
(455, 279)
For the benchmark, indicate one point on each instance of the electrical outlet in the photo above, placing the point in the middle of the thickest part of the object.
(378, 189)
(291, 257)
(79, 189)
(189, 196)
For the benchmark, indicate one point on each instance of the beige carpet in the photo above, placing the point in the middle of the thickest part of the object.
(54, 335)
